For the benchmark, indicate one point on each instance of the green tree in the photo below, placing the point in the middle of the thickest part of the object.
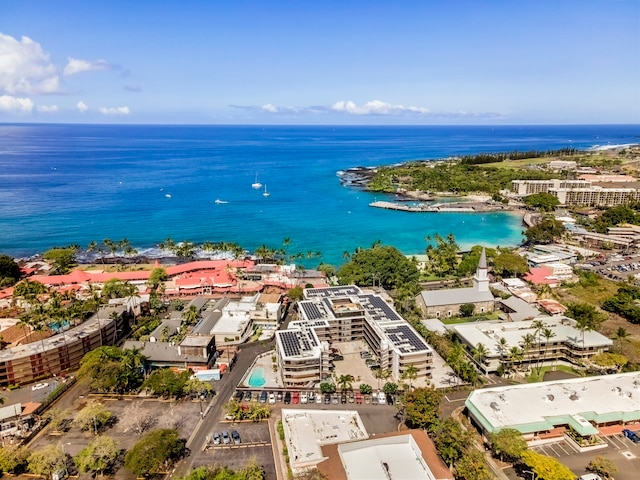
(620, 336)
(507, 444)
(586, 316)
(157, 276)
(94, 417)
(154, 452)
(46, 461)
(115, 288)
(443, 255)
(381, 265)
(547, 231)
(509, 264)
(365, 389)
(14, 458)
(451, 440)
(422, 407)
(9, 271)
(545, 202)
(99, 456)
(546, 468)
(62, 259)
(467, 309)
(410, 373)
(327, 387)
(296, 294)
(602, 466)
(390, 388)
(166, 382)
(472, 466)
(345, 382)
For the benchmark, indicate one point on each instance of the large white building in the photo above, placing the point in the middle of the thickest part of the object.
(343, 314)
(578, 192)
(547, 410)
(566, 343)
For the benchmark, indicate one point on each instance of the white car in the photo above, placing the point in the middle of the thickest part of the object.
(303, 398)
(39, 386)
(272, 398)
(382, 399)
(318, 398)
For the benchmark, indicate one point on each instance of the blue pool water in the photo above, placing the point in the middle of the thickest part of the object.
(257, 378)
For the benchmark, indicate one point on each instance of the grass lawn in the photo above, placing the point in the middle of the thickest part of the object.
(534, 377)
(593, 295)
(474, 318)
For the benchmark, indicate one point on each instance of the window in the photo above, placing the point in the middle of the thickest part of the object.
(449, 313)
(437, 314)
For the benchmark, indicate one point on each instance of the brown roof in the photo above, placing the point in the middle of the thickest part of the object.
(332, 467)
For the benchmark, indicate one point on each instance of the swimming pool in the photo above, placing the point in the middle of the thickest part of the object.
(257, 378)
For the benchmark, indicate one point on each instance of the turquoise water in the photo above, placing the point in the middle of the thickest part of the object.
(63, 184)
(257, 378)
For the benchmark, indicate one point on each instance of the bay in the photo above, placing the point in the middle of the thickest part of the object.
(63, 184)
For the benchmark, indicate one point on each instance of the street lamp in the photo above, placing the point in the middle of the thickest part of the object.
(66, 472)
(201, 397)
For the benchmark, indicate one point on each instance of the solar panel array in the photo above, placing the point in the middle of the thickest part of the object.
(295, 342)
(379, 309)
(342, 291)
(311, 310)
(404, 337)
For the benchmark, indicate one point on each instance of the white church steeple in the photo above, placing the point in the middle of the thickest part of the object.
(481, 278)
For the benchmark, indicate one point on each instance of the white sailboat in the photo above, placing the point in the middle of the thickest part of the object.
(265, 193)
(218, 201)
(256, 184)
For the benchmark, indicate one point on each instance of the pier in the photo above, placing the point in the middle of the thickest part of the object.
(455, 207)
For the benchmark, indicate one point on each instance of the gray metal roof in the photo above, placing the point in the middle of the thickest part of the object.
(454, 296)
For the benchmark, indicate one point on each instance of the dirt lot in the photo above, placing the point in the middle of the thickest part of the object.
(182, 415)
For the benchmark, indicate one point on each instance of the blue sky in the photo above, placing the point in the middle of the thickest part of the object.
(328, 62)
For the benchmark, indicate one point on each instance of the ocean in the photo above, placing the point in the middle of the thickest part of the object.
(64, 184)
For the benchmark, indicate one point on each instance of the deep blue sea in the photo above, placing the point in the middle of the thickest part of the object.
(62, 184)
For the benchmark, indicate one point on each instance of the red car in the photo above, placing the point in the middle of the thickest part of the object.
(295, 398)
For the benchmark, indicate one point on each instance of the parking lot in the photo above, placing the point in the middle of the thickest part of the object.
(620, 450)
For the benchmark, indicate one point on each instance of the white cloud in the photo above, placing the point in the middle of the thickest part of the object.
(270, 108)
(75, 66)
(83, 107)
(47, 108)
(14, 104)
(25, 68)
(115, 110)
(377, 107)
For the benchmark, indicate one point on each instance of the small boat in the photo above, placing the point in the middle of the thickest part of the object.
(265, 193)
(167, 195)
(256, 184)
(218, 201)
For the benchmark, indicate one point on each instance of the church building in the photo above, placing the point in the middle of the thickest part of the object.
(446, 303)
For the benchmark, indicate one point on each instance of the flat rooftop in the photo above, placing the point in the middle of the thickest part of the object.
(574, 402)
(306, 431)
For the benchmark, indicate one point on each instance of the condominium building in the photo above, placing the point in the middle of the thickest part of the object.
(343, 314)
(577, 192)
(529, 187)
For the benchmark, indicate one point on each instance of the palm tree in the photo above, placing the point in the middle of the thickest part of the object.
(345, 382)
(515, 356)
(191, 315)
(382, 374)
(503, 347)
(480, 353)
(548, 334)
(621, 335)
(528, 341)
(410, 373)
(538, 326)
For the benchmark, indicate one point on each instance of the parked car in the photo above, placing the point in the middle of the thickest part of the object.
(216, 438)
(279, 396)
(295, 398)
(312, 397)
(343, 399)
(327, 399)
(633, 436)
(382, 399)
(359, 398)
(303, 397)
(319, 398)
(351, 398)
(272, 398)
(226, 439)
(590, 476)
(236, 437)
(287, 398)
(374, 399)
(247, 396)
(39, 386)
(337, 358)
(334, 399)
(239, 395)
(263, 396)
(367, 399)
(390, 399)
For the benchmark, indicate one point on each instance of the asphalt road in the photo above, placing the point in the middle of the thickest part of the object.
(226, 388)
